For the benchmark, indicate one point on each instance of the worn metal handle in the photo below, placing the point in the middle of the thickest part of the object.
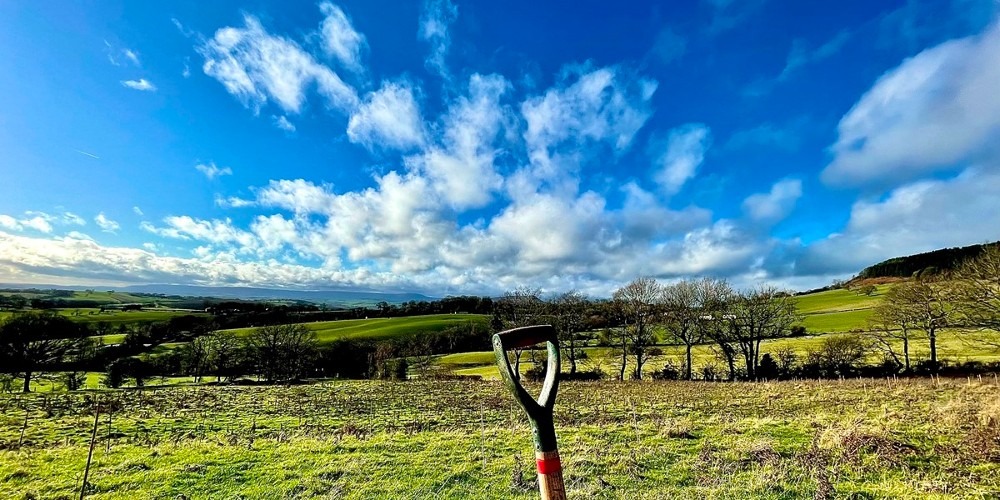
(550, 480)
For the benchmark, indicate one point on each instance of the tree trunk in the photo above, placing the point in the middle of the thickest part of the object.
(621, 373)
(906, 351)
(27, 381)
(933, 337)
(688, 357)
(572, 354)
(638, 364)
(517, 365)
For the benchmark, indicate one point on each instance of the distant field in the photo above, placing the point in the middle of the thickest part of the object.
(838, 300)
(837, 310)
(387, 328)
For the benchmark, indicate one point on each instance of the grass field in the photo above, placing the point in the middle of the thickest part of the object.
(387, 328)
(849, 439)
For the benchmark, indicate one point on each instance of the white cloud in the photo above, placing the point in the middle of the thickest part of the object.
(256, 66)
(775, 205)
(605, 105)
(107, 225)
(299, 196)
(71, 218)
(388, 117)
(137, 211)
(937, 111)
(676, 158)
(462, 167)
(340, 39)
(140, 84)
(232, 202)
(283, 123)
(8, 222)
(916, 217)
(211, 171)
(218, 232)
(132, 56)
(437, 17)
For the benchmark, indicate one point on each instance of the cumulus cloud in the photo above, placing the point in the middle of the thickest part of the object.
(677, 157)
(140, 84)
(36, 221)
(388, 117)
(937, 111)
(437, 17)
(107, 225)
(776, 204)
(340, 39)
(461, 167)
(211, 171)
(257, 67)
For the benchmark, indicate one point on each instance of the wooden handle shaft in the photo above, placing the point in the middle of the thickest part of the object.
(550, 479)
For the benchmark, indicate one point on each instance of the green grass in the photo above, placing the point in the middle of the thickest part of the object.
(832, 322)
(387, 328)
(838, 300)
(850, 439)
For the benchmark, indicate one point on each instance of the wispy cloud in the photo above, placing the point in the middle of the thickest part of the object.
(800, 55)
(340, 39)
(132, 56)
(676, 158)
(283, 123)
(140, 84)
(435, 22)
(256, 67)
(137, 211)
(212, 171)
(107, 225)
(84, 153)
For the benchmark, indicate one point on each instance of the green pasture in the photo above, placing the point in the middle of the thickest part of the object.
(838, 300)
(457, 439)
(387, 328)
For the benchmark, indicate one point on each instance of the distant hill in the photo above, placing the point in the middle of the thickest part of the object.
(347, 298)
(944, 259)
(333, 298)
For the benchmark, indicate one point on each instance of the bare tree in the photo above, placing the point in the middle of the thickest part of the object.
(760, 313)
(893, 321)
(686, 303)
(641, 302)
(568, 311)
(519, 307)
(977, 292)
(715, 298)
(926, 303)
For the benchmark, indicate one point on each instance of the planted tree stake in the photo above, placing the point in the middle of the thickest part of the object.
(90, 454)
(550, 479)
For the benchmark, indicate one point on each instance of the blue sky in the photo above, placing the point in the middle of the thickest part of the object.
(472, 147)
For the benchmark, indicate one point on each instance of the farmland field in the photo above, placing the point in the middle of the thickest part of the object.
(859, 438)
(387, 328)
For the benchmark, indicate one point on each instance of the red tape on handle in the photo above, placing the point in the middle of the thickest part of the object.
(548, 465)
